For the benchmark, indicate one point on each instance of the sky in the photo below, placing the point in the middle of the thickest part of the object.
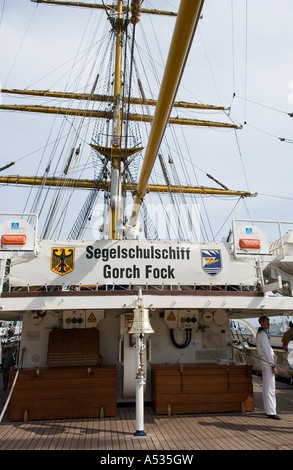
(241, 58)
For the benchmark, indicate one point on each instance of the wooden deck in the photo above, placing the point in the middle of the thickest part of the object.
(189, 433)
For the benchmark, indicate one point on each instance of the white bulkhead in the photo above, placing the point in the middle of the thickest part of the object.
(188, 290)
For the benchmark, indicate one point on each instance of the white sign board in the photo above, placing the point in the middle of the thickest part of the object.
(106, 262)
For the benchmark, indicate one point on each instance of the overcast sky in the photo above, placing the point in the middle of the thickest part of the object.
(242, 56)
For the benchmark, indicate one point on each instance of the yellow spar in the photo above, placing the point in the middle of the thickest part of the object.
(91, 184)
(107, 98)
(102, 7)
(89, 113)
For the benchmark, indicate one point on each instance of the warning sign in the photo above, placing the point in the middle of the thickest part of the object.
(91, 318)
(171, 316)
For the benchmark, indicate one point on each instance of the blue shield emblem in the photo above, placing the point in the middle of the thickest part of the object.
(211, 261)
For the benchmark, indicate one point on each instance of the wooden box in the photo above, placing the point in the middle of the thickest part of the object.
(60, 393)
(201, 388)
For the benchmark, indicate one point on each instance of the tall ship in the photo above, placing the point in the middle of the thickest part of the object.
(108, 258)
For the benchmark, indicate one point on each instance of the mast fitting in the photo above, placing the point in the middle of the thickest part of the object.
(135, 11)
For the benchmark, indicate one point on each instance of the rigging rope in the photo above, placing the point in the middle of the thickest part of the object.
(241, 158)
(2, 13)
(227, 218)
(278, 366)
(60, 196)
(21, 44)
(246, 57)
(165, 142)
(74, 137)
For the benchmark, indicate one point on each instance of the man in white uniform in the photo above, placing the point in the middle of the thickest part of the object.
(268, 367)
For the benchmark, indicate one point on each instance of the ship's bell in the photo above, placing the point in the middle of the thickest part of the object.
(141, 322)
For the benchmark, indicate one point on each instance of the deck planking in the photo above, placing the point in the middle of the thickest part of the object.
(188, 432)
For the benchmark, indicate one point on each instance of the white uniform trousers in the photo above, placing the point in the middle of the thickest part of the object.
(268, 390)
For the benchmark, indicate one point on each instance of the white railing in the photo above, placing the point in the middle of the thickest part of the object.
(279, 241)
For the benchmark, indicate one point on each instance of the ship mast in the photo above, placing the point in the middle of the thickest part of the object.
(115, 190)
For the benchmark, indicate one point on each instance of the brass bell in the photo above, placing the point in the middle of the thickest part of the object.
(141, 322)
